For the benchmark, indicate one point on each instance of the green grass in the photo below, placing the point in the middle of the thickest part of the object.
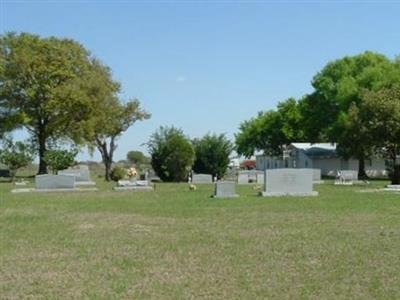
(178, 244)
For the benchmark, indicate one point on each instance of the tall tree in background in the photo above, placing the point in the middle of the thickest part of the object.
(109, 116)
(172, 154)
(271, 131)
(339, 86)
(43, 80)
(380, 111)
(212, 154)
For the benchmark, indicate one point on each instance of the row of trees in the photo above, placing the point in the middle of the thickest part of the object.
(355, 103)
(61, 94)
(174, 155)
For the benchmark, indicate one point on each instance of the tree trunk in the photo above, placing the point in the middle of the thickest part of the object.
(396, 171)
(107, 164)
(361, 168)
(107, 155)
(42, 151)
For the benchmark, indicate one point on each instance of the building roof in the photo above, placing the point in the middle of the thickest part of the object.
(317, 150)
(308, 146)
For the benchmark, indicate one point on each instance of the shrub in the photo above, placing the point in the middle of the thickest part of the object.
(16, 155)
(60, 159)
(212, 154)
(172, 154)
(117, 173)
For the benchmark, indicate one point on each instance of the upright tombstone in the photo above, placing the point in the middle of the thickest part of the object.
(288, 182)
(225, 189)
(260, 178)
(54, 182)
(243, 178)
(81, 173)
(201, 178)
(317, 176)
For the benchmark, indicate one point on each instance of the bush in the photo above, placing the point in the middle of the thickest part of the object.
(172, 154)
(16, 155)
(117, 173)
(60, 159)
(212, 154)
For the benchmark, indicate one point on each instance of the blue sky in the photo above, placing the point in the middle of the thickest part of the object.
(206, 66)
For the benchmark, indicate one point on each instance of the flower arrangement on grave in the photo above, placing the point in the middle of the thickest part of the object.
(132, 173)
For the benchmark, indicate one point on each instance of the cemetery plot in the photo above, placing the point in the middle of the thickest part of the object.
(289, 182)
(202, 178)
(346, 177)
(225, 189)
(81, 174)
(134, 185)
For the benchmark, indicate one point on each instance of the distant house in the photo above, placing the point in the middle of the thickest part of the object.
(318, 156)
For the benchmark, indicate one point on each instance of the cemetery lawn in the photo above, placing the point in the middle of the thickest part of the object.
(178, 244)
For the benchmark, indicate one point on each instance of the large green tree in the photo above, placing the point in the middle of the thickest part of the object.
(271, 131)
(212, 154)
(44, 80)
(172, 154)
(339, 86)
(380, 112)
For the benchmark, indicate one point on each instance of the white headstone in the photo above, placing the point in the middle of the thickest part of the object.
(260, 178)
(317, 176)
(201, 178)
(346, 177)
(243, 178)
(289, 182)
(51, 182)
(225, 189)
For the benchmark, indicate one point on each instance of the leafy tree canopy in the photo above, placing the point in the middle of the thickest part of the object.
(172, 154)
(47, 82)
(212, 154)
(271, 131)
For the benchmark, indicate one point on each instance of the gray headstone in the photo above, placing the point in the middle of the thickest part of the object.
(201, 178)
(260, 178)
(50, 182)
(349, 175)
(346, 177)
(243, 178)
(225, 189)
(123, 183)
(317, 176)
(81, 173)
(289, 182)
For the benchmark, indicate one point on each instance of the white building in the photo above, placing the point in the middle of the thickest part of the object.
(318, 156)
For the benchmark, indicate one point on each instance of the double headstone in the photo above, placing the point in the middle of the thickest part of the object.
(81, 174)
(225, 189)
(289, 182)
(201, 178)
(54, 182)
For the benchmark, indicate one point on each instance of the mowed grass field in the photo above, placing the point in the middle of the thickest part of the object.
(179, 244)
